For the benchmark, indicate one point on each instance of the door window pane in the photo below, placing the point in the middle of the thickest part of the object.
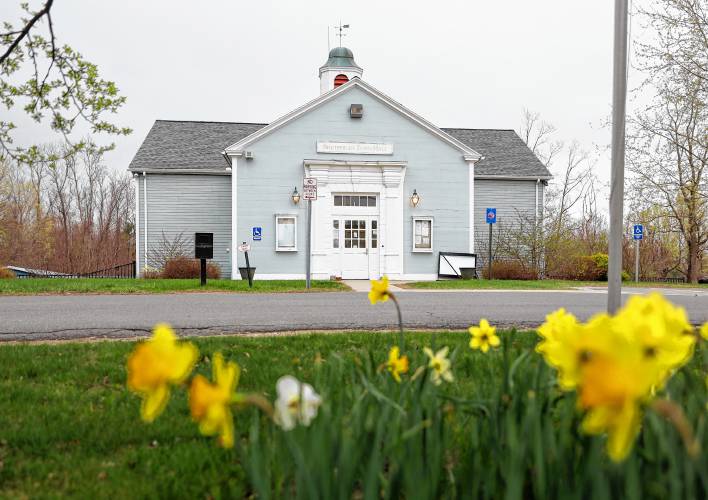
(335, 234)
(374, 234)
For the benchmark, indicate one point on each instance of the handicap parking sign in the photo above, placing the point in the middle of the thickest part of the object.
(257, 233)
(638, 231)
(491, 215)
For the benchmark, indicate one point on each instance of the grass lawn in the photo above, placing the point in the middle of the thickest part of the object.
(69, 427)
(482, 284)
(111, 285)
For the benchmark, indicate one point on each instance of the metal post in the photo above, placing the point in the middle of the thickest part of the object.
(309, 243)
(248, 271)
(490, 251)
(636, 261)
(619, 103)
(202, 272)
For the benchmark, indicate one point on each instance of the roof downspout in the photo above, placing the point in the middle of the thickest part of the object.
(137, 225)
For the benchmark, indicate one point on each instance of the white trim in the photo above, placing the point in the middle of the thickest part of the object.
(235, 274)
(514, 177)
(145, 209)
(281, 276)
(414, 219)
(184, 171)
(470, 208)
(238, 147)
(277, 229)
(137, 226)
(419, 277)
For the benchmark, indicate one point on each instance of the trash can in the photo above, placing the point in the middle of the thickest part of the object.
(244, 272)
(468, 273)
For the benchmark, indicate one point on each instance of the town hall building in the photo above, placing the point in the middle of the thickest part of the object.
(394, 191)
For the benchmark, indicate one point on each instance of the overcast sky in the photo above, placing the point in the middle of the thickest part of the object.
(471, 63)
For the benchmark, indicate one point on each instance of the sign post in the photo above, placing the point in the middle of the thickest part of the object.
(491, 219)
(309, 193)
(245, 247)
(203, 250)
(638, 236)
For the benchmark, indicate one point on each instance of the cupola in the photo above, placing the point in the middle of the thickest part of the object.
(339, 69)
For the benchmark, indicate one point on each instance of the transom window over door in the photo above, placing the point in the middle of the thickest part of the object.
(354, 200)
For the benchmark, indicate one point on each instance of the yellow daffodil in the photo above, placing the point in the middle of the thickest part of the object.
(296, 403)
(155, 364)
(379, 291)
(440, 365)
(397, 364)
(704, 331)
(210, 403)
(484, 336)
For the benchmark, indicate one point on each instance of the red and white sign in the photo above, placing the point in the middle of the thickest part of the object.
(309, 188)
(244, 247)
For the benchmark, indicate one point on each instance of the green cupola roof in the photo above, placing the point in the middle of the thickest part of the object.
(340, 57)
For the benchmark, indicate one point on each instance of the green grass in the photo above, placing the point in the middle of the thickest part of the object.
(482, 284)
(69, 427)
(111, 285)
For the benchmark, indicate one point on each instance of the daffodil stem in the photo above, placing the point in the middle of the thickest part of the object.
(255, 400)
(674, 414)
(400, 320)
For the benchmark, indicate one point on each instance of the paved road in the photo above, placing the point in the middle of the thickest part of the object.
(120, 316)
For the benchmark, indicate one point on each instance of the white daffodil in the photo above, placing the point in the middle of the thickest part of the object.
(440, 365)
(296, 403)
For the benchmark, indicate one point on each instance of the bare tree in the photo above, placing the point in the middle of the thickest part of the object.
(538, 136)
(167, 249)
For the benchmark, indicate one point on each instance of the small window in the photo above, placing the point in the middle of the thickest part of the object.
(374, 234)
(422, 235)
(286, 233)
(335, 234)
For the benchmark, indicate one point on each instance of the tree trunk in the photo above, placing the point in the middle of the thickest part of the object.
(694, 259)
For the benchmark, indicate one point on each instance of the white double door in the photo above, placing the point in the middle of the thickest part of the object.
(356, 240)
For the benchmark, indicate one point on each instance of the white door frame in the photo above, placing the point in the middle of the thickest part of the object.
(382, 178)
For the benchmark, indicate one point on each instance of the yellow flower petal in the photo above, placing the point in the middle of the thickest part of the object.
(154, 403)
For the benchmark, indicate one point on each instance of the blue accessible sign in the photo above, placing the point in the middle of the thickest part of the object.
(638, 232)
(491, 215)
(257, 233)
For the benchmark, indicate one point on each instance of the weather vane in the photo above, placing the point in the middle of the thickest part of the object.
(341, 29)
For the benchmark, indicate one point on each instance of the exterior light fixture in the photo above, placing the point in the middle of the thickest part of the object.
(415, 199)
(296, 196)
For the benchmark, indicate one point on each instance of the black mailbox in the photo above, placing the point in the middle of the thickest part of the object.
(203, 245)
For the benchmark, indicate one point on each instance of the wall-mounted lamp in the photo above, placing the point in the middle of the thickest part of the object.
(296, 196)
(415, 198)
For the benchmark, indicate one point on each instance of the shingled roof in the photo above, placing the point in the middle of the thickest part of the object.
(181, 145)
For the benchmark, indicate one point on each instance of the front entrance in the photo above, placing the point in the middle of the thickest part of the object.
(356, 236)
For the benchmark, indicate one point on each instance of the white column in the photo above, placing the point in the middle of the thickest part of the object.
(235, 275)
(470, 187)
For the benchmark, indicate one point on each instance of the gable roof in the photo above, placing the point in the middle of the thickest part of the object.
(504, 153)
(238, 147)
(181, 145)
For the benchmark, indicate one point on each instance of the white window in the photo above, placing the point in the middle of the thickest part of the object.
(286, 233)
(422, 234)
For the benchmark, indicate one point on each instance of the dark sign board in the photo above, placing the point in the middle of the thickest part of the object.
(203, 245)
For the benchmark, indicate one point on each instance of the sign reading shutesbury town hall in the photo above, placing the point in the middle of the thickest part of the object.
(491, 215)
(355, 148)
(309, 188)
(638, 232)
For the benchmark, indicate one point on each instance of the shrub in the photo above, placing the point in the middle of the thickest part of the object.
(6, 274)
(509, 270)
(183, 267)
(151, 273)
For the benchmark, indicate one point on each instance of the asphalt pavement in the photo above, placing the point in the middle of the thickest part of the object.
(126, 316)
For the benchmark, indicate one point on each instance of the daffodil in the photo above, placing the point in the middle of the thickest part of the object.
(397, 364)
(296, 403)
(156, 364)
(440, 365)
(484, 336)
(379, 291)
(704, 331)
(210, 403)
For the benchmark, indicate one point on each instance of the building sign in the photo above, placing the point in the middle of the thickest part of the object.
(309, 188)
(257, 233)
(355, 148)
(203, 245)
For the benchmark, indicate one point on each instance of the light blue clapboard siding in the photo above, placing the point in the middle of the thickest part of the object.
(436, 169)
(188, 204)
(511, 198)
